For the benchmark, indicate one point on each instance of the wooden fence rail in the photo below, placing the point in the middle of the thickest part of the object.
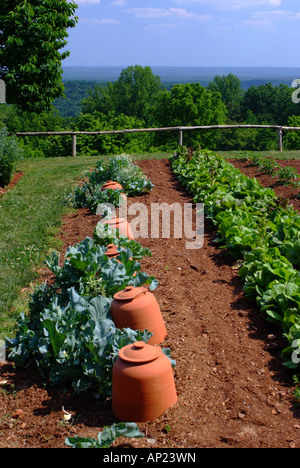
(179, 129)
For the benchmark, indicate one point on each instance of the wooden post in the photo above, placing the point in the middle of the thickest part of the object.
(74, 144)
(279, 134)
(180, 139)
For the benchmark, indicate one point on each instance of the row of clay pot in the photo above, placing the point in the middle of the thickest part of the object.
(143, 386)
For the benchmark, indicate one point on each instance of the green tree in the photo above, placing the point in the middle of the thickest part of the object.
(133, 94)
(271, 105)
(100, 99)
(231, 92)
(292, 139)
(136, 90)
(191, 105)
(32, 34)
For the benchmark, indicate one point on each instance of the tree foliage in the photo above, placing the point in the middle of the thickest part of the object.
(231, 92)
(119, 105)
(133, 94)
(32, 34)
(267, 104)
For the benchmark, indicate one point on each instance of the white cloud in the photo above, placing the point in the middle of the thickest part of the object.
(267, 19)
(108, 21)
(160, 27)
(265, 24)
(166, 13)
(234, 4)
(119, 3)
(275, 14)
(88, 2)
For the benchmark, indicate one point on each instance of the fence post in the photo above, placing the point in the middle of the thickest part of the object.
(74, 144)
(180, 139)
(279, 134)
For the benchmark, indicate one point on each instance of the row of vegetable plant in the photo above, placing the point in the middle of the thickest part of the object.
(284, 175)
(68, 332)
(120, 169)
(257, 230)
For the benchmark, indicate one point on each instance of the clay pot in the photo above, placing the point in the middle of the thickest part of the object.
(143, 386)
(122, 225)
(112, 251)
(138, 309)
(111, 184)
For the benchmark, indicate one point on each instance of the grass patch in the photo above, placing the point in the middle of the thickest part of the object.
(30, 217)
(270, 154)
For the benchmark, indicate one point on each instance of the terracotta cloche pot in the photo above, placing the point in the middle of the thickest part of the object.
(112, 251)
(138, 309)
(143, 386)
(111, 184)
(122, 225)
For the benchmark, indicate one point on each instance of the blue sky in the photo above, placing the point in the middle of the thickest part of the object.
(186, 33)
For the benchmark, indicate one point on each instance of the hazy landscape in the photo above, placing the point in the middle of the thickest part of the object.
(248, 76)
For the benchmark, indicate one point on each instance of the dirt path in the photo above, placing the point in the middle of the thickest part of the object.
(232, 388)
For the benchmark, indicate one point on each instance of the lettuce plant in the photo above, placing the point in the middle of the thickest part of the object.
(254, 227)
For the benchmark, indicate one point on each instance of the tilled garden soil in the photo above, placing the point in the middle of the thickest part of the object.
(233, 391)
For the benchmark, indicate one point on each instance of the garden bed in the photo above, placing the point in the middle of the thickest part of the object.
(284, 191)
(233, 390)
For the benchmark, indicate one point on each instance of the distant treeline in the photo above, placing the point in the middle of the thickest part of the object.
(76, 90)
(139, 99)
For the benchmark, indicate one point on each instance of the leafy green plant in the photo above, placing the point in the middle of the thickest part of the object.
(296, 392)
(265, 165)
(244, 156)
(87, 260)
(269, 166)
(256, 227)
(106, 438)
(256, 159)
(288, 176)
(92, 196)
(10, 155)
(69, 334)
(120, 169)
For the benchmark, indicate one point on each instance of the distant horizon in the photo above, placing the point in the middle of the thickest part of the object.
(183, 74)
(180, 66)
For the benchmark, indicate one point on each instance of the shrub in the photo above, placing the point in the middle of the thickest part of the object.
(10, 154)
(120, 169)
